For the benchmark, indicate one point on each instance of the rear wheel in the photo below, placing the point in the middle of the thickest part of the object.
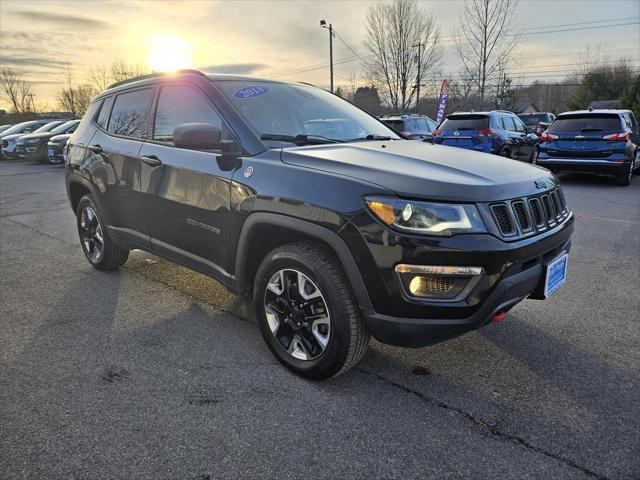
(505, 152)
(306, 312)
(624, 179)
(99, 249)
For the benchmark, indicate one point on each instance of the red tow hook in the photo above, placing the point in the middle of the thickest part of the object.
(498, 317)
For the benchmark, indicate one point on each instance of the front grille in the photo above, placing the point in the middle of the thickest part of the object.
(556, 204)
(521, 214)
(536, 211)
(529, 215)
(548, 209)
(503, 218)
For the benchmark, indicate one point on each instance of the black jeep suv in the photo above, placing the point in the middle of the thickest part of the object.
(337, 234)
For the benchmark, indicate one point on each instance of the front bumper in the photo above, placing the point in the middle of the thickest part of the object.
(9, 152)
(421, 332)
(512, 271)
(55, 152)
(30, 151)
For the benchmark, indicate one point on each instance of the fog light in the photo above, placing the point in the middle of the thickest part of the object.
(431, 286)
(438, 282)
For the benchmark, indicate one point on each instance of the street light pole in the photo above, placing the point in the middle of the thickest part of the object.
(418, 80)
(323, 24)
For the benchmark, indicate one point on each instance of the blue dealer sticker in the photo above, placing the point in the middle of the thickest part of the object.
(249, 92)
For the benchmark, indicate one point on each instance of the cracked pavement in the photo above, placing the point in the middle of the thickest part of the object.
(155, 371)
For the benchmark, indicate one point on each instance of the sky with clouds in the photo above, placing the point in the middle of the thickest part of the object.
(280, 38)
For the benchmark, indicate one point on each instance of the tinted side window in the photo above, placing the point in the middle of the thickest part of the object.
(130, 113)
(103, 118)
(519, 126)
(180, 104)
(508, 124)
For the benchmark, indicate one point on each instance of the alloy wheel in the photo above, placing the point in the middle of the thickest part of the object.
(297, 314)
(91, 234)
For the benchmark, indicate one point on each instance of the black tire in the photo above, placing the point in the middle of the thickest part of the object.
(349, 336)
(505, 152)
(624, 179)
(110, 256)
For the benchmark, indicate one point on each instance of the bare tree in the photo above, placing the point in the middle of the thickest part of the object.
(485, 39)
(121, 70)
(102, 76)
(74, 99)
(394, 32)
(17, 91)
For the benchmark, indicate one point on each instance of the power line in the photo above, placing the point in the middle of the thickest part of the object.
(361, 56)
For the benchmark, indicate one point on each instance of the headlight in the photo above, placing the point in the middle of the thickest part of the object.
(31, 141)
(427, 218)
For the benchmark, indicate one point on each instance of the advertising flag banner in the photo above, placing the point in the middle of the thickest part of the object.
(442, 104)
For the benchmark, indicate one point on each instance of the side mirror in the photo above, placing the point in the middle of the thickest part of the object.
(197, 136)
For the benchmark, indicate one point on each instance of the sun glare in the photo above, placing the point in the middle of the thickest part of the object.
(168, 53)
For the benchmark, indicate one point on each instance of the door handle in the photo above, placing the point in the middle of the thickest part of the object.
(151, 160)
(96, 148)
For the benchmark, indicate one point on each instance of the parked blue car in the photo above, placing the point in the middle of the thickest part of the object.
(499, 132)
(596, 141)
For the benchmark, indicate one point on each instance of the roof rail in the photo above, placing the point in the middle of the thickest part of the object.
(154, 75)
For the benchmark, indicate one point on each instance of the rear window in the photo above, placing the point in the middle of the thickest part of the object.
(465, 122)
(534, 118)
(587, 123)
(396, 124)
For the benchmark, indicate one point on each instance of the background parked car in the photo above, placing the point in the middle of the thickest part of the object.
(33, 146)
(497, 131)
(5, 127)
(55, 148)
(537, 122)
(597, 141)
(9, 138)
(415, 127)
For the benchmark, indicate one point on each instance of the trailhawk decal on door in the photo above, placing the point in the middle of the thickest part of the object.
(195, 223)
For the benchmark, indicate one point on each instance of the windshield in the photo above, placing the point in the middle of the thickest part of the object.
(587, 123)
(64, 127)
(465, 122)
(291, 110)
(47, 127)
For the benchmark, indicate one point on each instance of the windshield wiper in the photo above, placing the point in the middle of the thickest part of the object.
(590, 129)
(371, 136)
(301, 139)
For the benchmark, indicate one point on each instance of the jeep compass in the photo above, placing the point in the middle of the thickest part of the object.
(333, 224)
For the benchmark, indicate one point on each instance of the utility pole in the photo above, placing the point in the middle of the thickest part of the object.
(418, 78)
(323, 24)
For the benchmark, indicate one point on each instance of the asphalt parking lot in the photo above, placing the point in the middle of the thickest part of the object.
(154, 371)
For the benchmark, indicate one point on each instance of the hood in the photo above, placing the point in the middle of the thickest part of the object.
(424, 170)
(13, 136)
(60, 138)
(31, 136)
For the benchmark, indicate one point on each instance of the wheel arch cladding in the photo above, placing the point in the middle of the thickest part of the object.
(262, 232)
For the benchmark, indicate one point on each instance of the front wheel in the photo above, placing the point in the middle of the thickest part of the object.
(99, 249)
(306, 312)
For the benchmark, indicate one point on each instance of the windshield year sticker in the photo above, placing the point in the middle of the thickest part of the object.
(249, 92)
